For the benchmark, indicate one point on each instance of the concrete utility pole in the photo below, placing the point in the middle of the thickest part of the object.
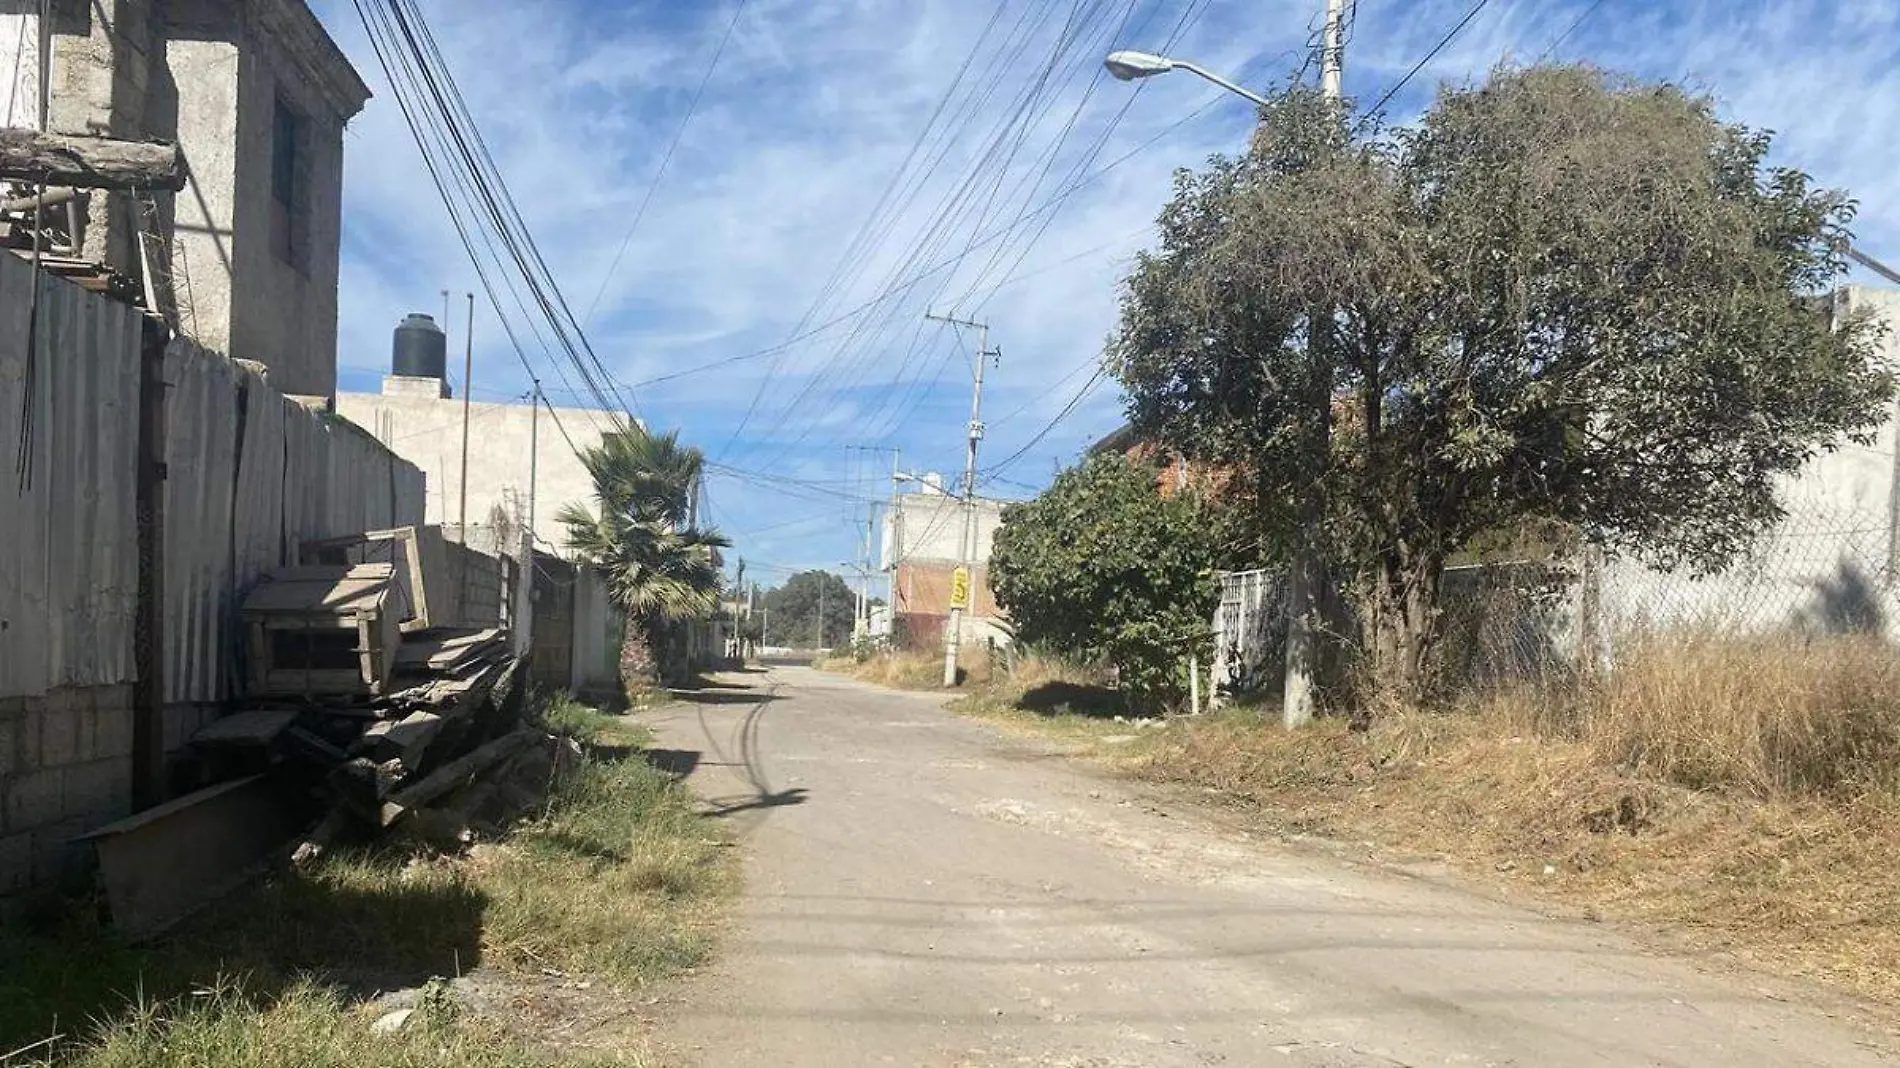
(534, 460)
(1332, 51)
(468, 388)
(870, 547)
(1308, 578)
(953, 630)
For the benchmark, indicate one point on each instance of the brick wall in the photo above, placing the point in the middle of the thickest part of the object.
(65, 769)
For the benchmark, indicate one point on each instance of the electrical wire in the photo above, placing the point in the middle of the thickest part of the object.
(1372, 112)
(423, 57)
(666, 157)
(1067, 409)
(1564, 36)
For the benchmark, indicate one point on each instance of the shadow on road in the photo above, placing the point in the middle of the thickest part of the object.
(719, 808)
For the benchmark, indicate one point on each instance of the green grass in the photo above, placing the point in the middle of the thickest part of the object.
(619, 880)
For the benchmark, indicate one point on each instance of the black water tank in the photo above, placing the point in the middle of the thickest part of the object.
(422, 349)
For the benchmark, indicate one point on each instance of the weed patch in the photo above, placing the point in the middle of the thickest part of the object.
(618, 880)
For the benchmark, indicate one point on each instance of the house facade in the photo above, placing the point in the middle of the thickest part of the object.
(922, 548)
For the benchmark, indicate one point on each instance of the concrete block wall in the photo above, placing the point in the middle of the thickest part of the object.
(65, 769)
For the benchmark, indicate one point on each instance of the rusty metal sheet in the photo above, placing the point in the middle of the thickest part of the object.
(68, 541)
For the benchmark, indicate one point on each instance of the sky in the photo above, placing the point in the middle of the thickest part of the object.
(848, 165)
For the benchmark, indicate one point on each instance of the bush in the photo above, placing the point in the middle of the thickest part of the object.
(1103, 568)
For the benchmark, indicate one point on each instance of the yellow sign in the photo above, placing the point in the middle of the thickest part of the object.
(960, 588)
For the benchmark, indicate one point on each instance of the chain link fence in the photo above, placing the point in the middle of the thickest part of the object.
(1827, 569)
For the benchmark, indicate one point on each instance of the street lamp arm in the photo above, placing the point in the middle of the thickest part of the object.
(1222, 82)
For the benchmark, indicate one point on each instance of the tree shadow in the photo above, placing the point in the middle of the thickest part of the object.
(678, 763)
(1074, 699)
(724, 697)
(701, 682)
(1847, 602)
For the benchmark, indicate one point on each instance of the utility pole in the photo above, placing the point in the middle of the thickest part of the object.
(953, 631)
(1332, 51)
(821, 607)
(1308, 577)
(870, 545)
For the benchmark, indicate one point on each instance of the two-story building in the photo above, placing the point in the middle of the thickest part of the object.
(922, 548)
(255, 94)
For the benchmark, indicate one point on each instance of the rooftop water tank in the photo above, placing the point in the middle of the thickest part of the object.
(421, 348)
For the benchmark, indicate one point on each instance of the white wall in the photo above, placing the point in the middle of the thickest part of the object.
(1833, 554)
(929, 527)
(427, 431)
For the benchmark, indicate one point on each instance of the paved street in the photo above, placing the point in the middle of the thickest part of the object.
(922, 891)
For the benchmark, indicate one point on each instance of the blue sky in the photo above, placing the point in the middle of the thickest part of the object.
(793, 198)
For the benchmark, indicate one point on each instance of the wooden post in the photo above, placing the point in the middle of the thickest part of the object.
(148, 636)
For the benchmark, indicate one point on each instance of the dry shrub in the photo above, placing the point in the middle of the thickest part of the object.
(1742, 790)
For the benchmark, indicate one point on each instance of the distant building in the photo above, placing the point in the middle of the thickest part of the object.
(419, 418)
(922, 539)
(256, 95)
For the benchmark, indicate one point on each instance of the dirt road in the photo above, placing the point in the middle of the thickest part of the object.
(922, 891)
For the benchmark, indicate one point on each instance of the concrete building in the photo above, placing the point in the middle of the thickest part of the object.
(256, 94)
(419, 419)
(921, 547)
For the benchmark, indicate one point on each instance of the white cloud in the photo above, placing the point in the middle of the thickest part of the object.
(813, 109)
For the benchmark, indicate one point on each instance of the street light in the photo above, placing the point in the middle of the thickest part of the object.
(1129, 66)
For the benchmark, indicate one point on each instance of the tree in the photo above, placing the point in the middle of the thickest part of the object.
(792, 611)
(1104, 568)
(659, 568)
(1561, 296)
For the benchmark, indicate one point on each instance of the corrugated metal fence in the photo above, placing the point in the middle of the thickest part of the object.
(69, 419)
(249, 474)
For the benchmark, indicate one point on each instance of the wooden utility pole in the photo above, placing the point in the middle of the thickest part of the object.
(1305, 630)
(953, 630)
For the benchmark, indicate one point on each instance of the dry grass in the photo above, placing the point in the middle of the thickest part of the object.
(912, 669)
(1772, 718)
(618, 881)
(1742, 791)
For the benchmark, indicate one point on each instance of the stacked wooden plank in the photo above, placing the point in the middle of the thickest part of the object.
(347, 722)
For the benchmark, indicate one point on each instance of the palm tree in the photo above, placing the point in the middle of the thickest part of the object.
(660, 569)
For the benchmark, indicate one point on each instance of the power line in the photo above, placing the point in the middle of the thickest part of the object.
(1087, 388)
(423, 60)
(659, 172)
